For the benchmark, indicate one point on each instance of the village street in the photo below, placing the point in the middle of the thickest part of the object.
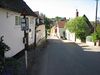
(67, 58)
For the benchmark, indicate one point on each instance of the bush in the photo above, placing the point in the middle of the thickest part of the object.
(3, 48)
(94, 37)
(89, 38)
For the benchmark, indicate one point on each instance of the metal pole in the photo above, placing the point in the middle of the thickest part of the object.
(26, 45)
(26, 59)
(96, 19)
(96, 15)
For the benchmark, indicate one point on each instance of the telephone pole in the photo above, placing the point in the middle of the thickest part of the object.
(96, 15)
(96, 19)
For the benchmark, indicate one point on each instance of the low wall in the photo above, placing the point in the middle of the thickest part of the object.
(90, 43)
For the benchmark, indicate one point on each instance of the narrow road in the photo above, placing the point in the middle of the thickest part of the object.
(67, 58)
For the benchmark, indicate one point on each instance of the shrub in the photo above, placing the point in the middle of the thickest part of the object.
(94, 37)
(89, 38)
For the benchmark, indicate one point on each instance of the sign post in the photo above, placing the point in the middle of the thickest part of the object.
(25, 28)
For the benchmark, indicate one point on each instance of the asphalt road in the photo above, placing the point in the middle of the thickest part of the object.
(68, 58)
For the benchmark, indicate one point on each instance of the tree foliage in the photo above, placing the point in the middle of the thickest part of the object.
(96, 34)
(80, 26)
(98, 31)
(47, 22)
(58, 18)
(94, 37)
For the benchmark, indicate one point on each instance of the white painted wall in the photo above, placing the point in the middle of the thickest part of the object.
(12, 33)
(32, 27)
(70, 36)
(90, 43)
(58, 32)
(13, 36)
(61, 30)
(41, 33)
(52, 32)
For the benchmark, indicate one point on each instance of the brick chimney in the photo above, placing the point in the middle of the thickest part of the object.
(77, 13)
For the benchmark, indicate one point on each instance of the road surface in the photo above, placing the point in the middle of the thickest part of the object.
(68, 58)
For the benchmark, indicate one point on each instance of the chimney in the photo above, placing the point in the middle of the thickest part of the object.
(77, 13)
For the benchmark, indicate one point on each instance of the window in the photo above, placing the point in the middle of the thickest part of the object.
(17, 20)
(31, 20)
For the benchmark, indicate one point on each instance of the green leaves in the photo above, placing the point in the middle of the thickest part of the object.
(94, 37)
(47, 22)
(80, 26)
(96, 34)
(98, 31)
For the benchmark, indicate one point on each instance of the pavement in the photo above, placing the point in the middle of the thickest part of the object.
(67, 58)
(86, 47)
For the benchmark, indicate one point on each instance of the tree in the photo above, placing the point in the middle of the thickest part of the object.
(98, 33)
(47, 22)
(80, 26)
(58, 18)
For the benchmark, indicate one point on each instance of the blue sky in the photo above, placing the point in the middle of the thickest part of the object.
(65, 8)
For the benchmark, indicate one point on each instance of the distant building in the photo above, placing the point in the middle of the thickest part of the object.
(60, 28)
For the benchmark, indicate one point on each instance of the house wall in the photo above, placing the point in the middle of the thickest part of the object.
(12, 33)
(70, 36)
(40, 34)
(61, 30)
(52, 33)
(58, 32)
(32, 27)
(13, 36)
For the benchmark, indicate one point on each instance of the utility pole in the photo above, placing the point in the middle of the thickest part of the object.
(96, 14)
(96, 19)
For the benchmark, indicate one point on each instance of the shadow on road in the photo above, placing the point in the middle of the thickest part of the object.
(66, 58)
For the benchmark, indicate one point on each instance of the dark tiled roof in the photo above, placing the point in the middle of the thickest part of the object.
(17, 6)
(89, 24)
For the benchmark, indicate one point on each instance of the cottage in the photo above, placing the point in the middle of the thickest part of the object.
(40, 29)
(60, 28)
(10, 24)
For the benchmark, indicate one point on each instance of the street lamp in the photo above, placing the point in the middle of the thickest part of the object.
(25, 28)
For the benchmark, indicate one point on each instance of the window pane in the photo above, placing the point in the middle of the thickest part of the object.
(17, 20)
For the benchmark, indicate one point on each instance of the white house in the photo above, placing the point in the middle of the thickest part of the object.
(70, 36)
(60, 28)
(10, 24)
(40, 34)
